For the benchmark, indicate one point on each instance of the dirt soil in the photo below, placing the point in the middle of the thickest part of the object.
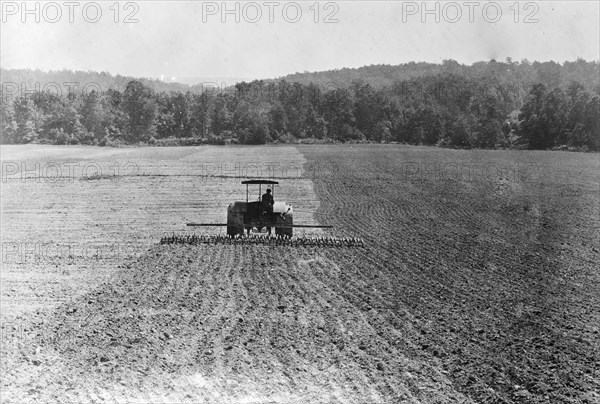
(491, 275)
(480, 289)
(253, 323)
(72, 216)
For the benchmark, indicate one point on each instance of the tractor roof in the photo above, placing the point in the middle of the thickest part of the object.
(259, 182)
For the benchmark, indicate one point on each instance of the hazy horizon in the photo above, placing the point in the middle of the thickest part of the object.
(179, 41)
(200, 80)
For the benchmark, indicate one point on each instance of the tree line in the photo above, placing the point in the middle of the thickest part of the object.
(442, 108)
(523, 73)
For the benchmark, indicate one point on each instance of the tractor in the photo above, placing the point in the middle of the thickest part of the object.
(256, 215)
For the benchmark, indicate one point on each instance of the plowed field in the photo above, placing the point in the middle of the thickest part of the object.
(478, 283)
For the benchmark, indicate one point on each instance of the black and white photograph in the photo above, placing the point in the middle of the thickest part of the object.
(299, 202)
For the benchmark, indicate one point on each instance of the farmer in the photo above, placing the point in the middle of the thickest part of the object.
(267, 205)
(267, 202)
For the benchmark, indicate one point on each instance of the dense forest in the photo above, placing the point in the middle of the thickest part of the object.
(524, 73)
(485, 105)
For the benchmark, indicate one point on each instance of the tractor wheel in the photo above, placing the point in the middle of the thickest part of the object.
(234, 224)
(234, 231)
(289, 220)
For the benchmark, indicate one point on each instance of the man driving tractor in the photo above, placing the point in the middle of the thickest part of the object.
(267, 202)
(267, 205)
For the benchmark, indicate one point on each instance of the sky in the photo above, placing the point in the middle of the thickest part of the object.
(178, 39)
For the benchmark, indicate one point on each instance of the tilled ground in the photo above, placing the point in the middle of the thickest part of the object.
(64, 231)
(494, 279)
(228, 323)
(478, 289)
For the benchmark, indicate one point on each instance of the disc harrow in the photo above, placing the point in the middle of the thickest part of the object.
(300, 241)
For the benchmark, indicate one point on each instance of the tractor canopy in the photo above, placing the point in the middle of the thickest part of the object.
(259, 182)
